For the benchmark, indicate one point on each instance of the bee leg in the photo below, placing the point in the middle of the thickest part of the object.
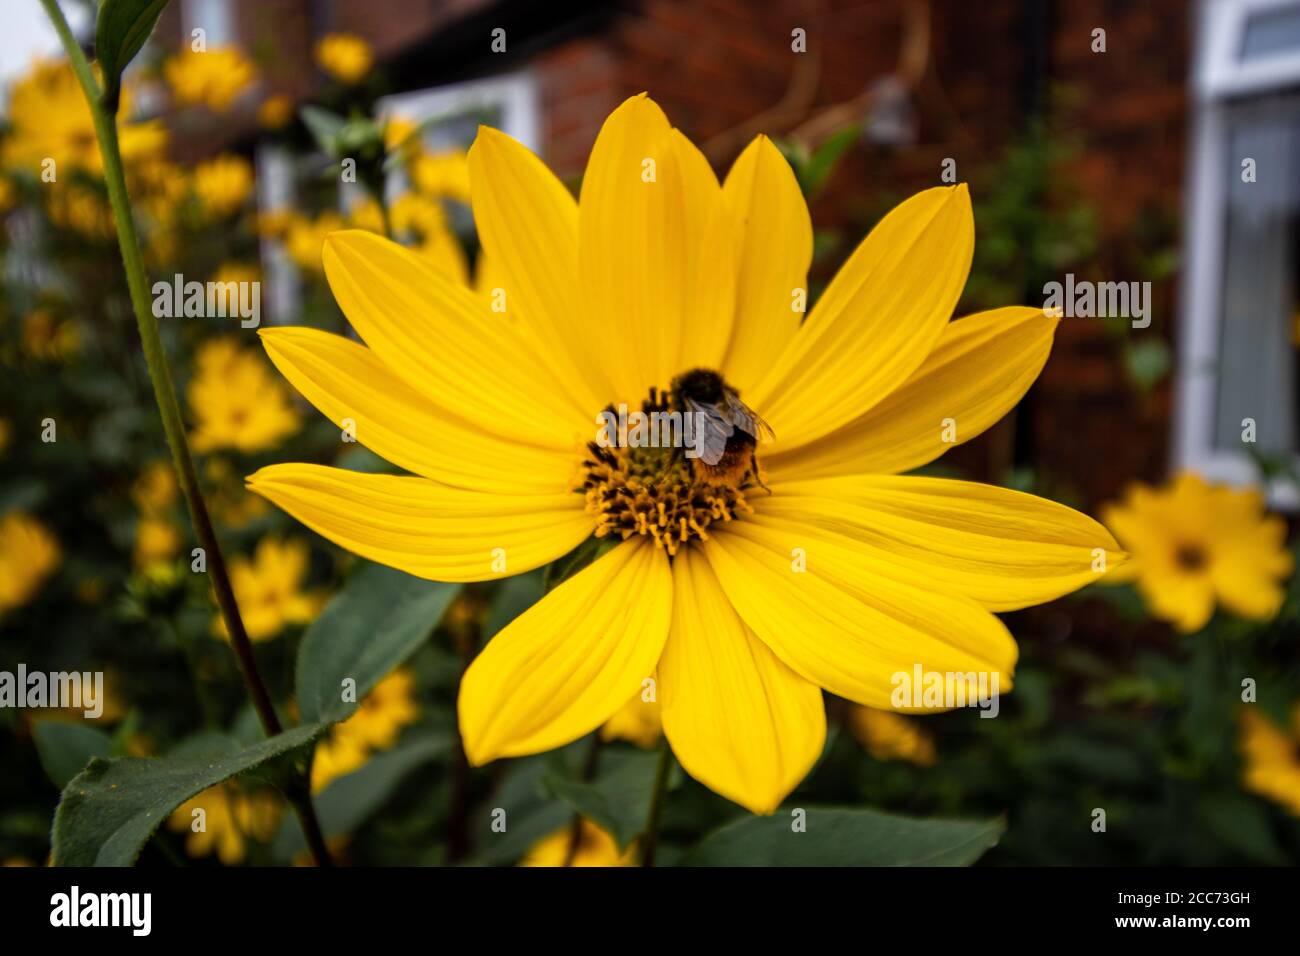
(753, 466)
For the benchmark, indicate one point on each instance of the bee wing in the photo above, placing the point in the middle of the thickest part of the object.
(745, 418)
(711, 430)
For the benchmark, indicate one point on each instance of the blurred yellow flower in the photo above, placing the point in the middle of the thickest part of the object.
(275, 111)
(366, 215)
(49, 119)
(1271, 755)
(275, 223)
(45, 337)
(268, 589)
(28, 555)
(8, 196)
(595, 848)
(344, 56)
(229, 819)
(638, 722)
(304, 238)
(6, 433)
(81, 209)
(156, 539)
(890, 736)
(443, 175)
(239, 272)
(236, 401)
(1193, 544)
(375, 726)
(398, 135)
(223, 183)
(229, 501)
(214, 78)
(747, 604)
(155, 491)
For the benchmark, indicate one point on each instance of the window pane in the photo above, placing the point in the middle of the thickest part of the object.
(1271, 33)
(1257, 355)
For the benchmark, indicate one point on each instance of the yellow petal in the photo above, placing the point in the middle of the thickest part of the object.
(655, 251)
(423, 528)
(876, 322)
(565, 665)
(740, 721)
(981, 367)
(443, 340)
(1003, 548)
(776, 242)
(842, 625)
(528, 224)
(346, 381)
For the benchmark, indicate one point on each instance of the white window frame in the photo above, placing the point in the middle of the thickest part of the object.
(515, 95)
(1218, 76)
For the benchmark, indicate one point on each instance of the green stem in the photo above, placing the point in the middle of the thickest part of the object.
(165, 395)
(650, 837)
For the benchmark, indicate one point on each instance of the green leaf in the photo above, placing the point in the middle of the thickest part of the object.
(66, 748)
(325, 127)
(122, 28)
(618, 800)
(846, 837)
(375, 623)
(111, 808)
(350, 800)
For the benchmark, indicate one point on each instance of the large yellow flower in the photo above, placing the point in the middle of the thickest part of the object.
(1193, 544)
(745, 603)
(29, 553)
(1271, 755)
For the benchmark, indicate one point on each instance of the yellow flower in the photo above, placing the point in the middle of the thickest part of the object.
(888, 736)
(442, 175)
(156, 539)
(304, 238)
(375, 726)
(638, 721)
(8, 195)
(344, 56)
(214, 78)
(236, 401)
(366, 215)
(595, 848)
(268, 589)
(746, 602)
(1272, 758)
(422, 221)
(230, 819)
(275, 112)
(155, 491)
(223, 184)
(1193, 544)
(50, 120)
(28, 555)
(82, 210)
(237, 272)
(45, 337)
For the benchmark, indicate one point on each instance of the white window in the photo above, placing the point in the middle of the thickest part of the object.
(214, 17)
(449, 116)
(1240, 295)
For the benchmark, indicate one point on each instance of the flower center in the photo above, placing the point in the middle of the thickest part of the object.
(1190, 557)
(639, 478)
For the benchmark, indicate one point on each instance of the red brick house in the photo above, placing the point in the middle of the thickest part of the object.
(1133, 85)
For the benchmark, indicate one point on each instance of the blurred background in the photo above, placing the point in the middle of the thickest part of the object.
(1103, 140)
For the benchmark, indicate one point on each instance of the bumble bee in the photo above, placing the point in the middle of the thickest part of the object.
(727, 431)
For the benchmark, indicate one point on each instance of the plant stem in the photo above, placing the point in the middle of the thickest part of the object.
(589, 765)
(650, 837)
(165, 395)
